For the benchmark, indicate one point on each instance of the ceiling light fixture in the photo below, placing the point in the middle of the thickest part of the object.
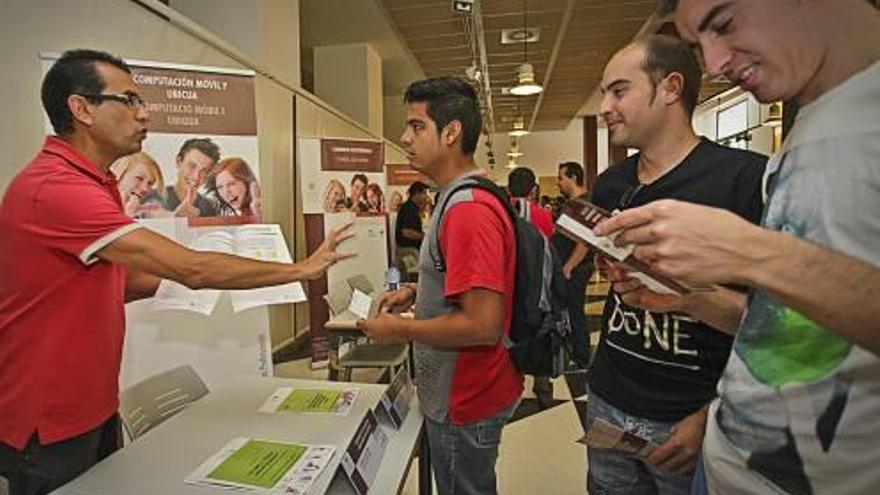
(514, 151)
(525, 81)
(525, 73)
(519, 128)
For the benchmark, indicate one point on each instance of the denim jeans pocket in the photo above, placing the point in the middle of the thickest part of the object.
(489, 433)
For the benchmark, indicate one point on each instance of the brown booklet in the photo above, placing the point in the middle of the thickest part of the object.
(577, 221)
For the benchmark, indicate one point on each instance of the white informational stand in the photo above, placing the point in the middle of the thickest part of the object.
(219, 347)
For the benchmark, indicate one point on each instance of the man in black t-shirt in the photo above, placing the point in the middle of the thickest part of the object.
(577, 266)
(655, 372)
(408, 232)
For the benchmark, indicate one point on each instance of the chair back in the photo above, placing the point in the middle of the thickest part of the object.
(150, 402)
(361, 283)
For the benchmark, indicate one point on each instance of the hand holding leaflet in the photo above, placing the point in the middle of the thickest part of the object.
(603, 435)
(577, 221)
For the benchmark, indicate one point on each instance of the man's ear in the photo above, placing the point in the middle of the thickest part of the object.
(673, 87)
(451, 133)
(80, 110)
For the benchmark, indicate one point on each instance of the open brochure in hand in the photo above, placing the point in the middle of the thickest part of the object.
(577, 221)
(263, 242)
(264, 467)
(604, 435)
(360, 307)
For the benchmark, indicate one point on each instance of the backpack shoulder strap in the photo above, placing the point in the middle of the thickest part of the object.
(469, 183)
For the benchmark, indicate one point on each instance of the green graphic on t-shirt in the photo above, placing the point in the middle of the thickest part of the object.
(792, 349)
(258, 463)
(310, 401)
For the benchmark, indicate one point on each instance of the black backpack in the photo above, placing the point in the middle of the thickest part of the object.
(539, 329)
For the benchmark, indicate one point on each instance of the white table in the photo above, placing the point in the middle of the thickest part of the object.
(158, 462)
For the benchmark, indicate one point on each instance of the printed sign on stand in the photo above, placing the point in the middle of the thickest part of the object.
(361, 459)
(394, 403)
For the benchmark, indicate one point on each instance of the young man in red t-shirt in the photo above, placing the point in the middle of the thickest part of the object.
(523, 188)
(522, 184)
(468, 387)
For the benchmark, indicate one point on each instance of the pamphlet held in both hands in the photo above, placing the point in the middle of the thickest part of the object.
(263, 242)
(264, 466)
(307, 400)
(603, 435)
(577, 221)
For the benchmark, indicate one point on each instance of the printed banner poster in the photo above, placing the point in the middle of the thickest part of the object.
(200, 159)
(340, 175)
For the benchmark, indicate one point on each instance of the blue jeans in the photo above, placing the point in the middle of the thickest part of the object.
(699, 486)
(463, 456)
(614, 473)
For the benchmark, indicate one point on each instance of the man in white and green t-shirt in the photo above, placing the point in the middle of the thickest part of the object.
(800, 396)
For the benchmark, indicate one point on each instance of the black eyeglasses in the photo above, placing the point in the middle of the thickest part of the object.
(129, 99)
(628, 195)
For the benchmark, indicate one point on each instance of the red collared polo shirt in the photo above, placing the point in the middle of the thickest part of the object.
(62, 320)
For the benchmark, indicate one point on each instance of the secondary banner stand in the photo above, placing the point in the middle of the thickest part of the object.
(342, 181)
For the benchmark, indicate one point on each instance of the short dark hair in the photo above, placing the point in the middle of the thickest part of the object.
(74, 73)
(521, 181)
(666, 54)
(448, 99)
(573, 170)
(205, 145)
(667, 7)
(416, 188)
(360, 177)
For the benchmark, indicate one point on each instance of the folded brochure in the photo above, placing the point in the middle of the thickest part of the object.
(603, 435)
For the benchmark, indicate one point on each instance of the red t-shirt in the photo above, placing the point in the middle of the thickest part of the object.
(479, 246)
(541, 218)
(62, 320)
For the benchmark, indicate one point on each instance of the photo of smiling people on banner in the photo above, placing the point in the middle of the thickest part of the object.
(200, 158)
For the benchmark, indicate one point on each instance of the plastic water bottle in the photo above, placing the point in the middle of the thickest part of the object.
(392, 278)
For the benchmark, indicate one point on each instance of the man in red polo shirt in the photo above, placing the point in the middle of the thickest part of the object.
(69, 260)
(468, 387)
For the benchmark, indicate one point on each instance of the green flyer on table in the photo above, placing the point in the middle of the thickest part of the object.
(310, 401)
(258, 463)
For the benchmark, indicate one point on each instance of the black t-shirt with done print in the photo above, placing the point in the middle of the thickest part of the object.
(665, 366)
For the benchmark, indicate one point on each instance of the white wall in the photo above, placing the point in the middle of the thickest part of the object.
(349, 77)
(266, 30)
